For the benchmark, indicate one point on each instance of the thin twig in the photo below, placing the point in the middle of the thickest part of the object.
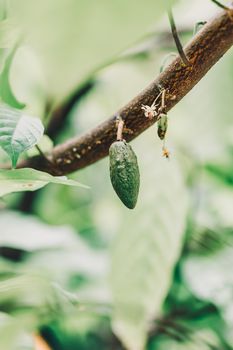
(219, 4)
(43, 155)
(176, 38)
(40, 151)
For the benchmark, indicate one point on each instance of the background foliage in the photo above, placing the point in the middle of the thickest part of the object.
(76, 267)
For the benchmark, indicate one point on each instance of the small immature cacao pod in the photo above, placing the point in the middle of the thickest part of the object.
(124, 173)
(162, 126)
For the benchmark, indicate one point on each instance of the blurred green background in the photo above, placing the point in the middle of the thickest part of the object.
(78, 269)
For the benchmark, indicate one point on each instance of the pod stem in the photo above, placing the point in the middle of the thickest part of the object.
(120, 126)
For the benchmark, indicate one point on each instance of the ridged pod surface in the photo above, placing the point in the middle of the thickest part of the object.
(124, 173)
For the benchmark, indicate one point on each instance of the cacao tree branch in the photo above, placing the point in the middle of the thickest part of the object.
(204, 50)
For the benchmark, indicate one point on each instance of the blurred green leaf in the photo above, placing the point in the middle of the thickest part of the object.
(18, 132)
(200, 340)
(6, 92)
(35, 234)
(210, 279)
(206, 241)
(76, 37)
(12, 334)
(31, 290)
(32, 281)
(9, 33)
(29, 180)
(146, 249)
(222, 172)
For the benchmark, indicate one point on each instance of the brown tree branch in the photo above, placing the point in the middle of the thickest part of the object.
(204, 50)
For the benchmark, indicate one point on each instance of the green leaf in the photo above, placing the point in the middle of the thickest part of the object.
(29, 180)
(210, 278)
(18, 132)
(6, 92)
(93, 33)
(13, 334)
(146, 249)
(204, 339)
(35, 235)
(25, 289)
(9, 33)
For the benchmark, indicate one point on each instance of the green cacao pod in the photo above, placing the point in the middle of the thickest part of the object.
(124, 172)
(162, 126)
